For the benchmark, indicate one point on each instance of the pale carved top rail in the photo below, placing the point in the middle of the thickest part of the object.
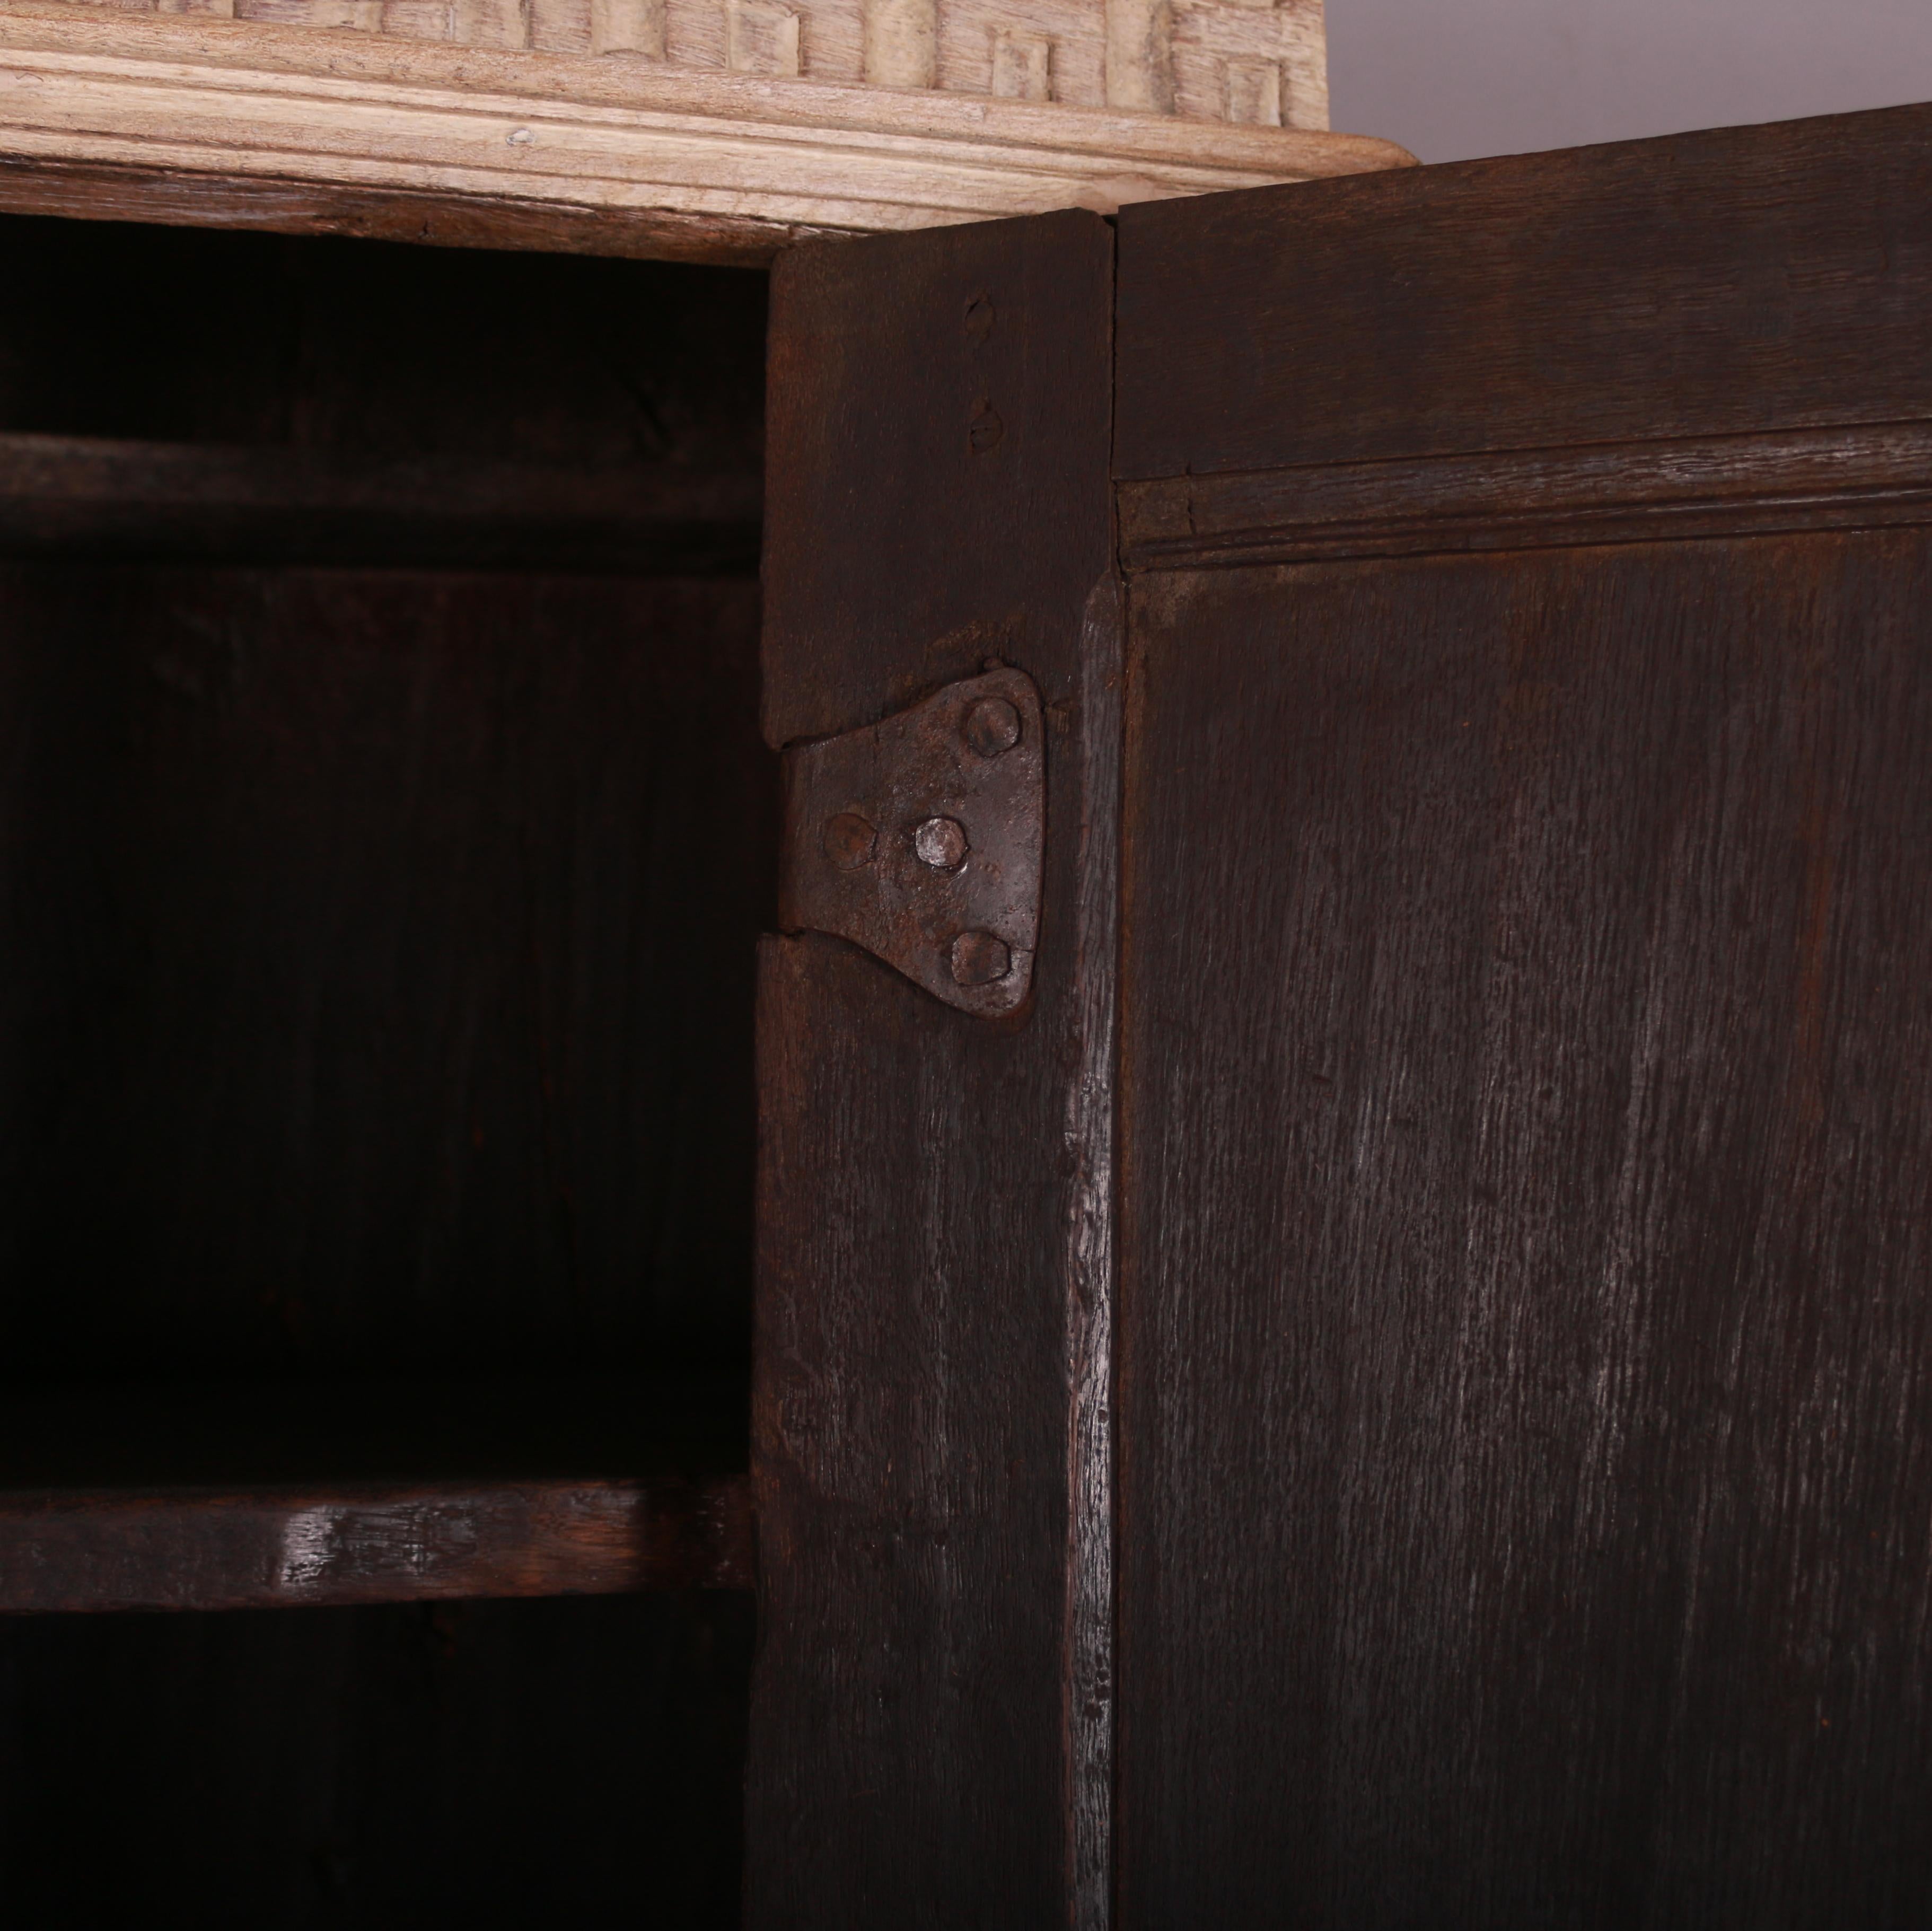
(713, 129)
(1258, 62)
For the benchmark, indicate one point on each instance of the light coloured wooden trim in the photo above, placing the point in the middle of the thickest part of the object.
(1264, 61)
(241, 103)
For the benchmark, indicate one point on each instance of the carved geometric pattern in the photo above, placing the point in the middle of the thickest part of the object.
(1263, 62)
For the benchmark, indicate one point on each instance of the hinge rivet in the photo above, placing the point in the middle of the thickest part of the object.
(941, 844)
(992, 726)
(848, 841)
(979, 959)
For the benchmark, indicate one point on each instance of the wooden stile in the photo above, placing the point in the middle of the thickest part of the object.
(913, 1418)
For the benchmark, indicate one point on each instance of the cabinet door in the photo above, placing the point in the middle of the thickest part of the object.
(1525, 1379)
(1394, 1390)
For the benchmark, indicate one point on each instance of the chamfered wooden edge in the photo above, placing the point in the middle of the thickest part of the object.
(285, 1548)
(179, 118)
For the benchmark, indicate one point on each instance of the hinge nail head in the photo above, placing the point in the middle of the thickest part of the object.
(980, 958)
(941, 844)
(849, 840)
(992, 726)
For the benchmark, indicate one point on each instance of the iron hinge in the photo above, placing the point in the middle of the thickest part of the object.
(918, 837)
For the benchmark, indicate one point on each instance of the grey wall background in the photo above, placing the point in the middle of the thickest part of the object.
(1451, 79)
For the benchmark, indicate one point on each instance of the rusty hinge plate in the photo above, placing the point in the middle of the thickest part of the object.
(918, 837)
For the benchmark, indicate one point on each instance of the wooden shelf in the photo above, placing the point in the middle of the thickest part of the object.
(277, 503)
(266, 1496)
(284, 1548)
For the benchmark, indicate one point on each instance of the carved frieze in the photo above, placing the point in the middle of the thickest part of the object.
(1257, 62)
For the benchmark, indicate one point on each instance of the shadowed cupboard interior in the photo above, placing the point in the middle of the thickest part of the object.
(384, 832)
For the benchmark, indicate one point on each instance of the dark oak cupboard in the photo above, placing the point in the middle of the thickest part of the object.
(1391, 1391)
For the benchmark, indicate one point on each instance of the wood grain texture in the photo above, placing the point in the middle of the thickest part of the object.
(656, 151)
(1523, 1387)
(972, 541)
(1709, 284)
(918, 1187)
(1526, 1357)
(1856, 477)
(274, 1550)
(494, 1764)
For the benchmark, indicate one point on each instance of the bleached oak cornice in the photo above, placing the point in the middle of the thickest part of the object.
(308, 129)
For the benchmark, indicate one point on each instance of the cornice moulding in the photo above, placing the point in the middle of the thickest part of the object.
(625, 155)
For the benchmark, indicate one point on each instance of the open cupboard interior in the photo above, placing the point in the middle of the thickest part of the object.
(386, 831)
